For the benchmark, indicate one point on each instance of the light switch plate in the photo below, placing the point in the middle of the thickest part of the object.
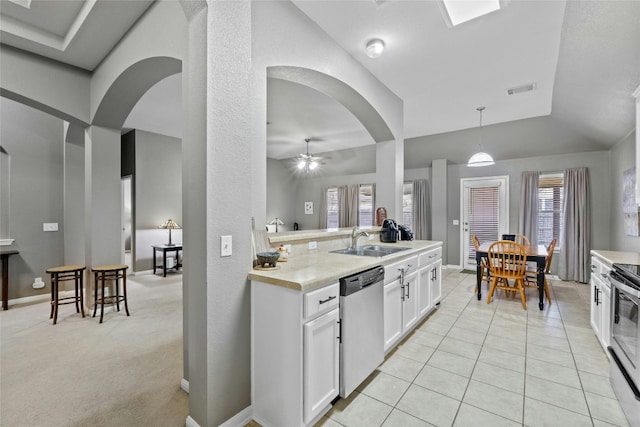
(226, 246)
(456, 222)
(50, 226)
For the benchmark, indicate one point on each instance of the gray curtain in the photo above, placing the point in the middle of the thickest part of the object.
(421, 210)
(528, 218)
(575, 242)
(323, 209)
(354, 205)
(343, 206)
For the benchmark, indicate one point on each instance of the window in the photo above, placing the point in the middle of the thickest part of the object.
(365, 205)
(407, 204)
(332, 207)
(550, 205)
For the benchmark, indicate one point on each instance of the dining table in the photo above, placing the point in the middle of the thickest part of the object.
(535, 253)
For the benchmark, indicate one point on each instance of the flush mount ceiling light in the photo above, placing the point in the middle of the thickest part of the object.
(308, 162)
(480, 158)
(375, 47)
(456, 12)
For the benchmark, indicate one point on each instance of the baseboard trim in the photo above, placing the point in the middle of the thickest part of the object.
(39, 298)
(240, 419)
(190, 422)
(452, 267)
(184, 384)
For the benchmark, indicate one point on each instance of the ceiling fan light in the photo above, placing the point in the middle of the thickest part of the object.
(480, 159)
(375, 47)
(301, 164)
(313, 165)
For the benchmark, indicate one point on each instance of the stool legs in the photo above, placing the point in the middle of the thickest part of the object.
(100, 278)
(77, 299)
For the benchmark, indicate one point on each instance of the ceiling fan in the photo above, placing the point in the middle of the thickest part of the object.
(307, 162)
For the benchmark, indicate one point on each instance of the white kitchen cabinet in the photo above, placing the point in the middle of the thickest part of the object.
(321, 363)
(430, 282)
(435, 282)
(295, 353)
(392, 297)
(425, 305)
(600, 300)
(400, 302)
(400, 308)
(410, 301)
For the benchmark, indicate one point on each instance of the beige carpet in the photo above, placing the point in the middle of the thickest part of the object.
(123, 372)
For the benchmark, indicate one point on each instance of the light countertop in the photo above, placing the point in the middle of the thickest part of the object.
(321, 268)
(618, 257)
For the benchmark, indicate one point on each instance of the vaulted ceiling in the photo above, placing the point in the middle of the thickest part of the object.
(583, 56)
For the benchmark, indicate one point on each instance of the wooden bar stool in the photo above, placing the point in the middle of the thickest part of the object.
(101, 275)
(62, 274)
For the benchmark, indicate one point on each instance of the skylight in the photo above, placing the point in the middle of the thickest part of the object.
(23, 3)
(459, 11)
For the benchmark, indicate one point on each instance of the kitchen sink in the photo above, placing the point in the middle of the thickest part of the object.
(371, 250)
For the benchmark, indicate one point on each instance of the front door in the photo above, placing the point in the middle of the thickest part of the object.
(485, 213)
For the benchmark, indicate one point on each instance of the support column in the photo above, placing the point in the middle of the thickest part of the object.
(390, 177)
(74, 193)
(194, 214)
(102, 200)
(439, 221)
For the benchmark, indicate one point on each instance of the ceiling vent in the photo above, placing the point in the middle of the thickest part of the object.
(520, 89)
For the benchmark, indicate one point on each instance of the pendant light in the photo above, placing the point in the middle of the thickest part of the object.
(480, 158)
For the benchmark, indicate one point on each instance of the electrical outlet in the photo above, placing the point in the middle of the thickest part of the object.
(288, 248)
(456, 222)
(371, 236)
(313, 245)
(38, 283)
(226, 246)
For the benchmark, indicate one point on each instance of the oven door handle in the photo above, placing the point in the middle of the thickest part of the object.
(624, 287)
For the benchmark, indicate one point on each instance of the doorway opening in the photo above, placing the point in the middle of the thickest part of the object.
(485, 213)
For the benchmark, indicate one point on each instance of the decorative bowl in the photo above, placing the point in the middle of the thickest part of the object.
(270, 258)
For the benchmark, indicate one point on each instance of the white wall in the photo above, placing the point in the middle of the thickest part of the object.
(599, 173)
(622, 158)
(34, 142)
(158, 193)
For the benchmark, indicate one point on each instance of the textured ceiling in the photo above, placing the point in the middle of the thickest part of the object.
(584, 57)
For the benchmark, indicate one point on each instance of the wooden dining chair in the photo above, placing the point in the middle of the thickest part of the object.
(507, 261)
(518, 238)
(531, 278)
(484, 265)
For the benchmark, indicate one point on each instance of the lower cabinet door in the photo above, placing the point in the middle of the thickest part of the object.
(393, 296)
(321, 383)
(425, 290)
(436, 283)
(410, 303)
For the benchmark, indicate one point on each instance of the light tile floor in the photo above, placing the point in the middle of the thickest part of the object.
(476, 364)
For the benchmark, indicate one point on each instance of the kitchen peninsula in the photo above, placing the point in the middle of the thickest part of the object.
(296, 314)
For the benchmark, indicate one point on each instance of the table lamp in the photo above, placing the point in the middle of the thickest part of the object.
(170, 225)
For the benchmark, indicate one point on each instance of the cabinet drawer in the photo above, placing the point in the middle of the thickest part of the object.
(321, 300)
(392, 273)
(430, 257)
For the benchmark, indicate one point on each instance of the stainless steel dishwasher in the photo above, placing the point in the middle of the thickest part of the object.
(362, 327)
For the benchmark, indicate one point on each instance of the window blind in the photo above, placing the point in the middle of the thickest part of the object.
(407, 204)
(365, 205)
(483, 215)
(550, 203)
(332, 207)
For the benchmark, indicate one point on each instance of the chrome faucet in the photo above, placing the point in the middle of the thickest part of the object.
(355, 235)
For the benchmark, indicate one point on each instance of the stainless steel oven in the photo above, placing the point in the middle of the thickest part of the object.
(625, 337)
